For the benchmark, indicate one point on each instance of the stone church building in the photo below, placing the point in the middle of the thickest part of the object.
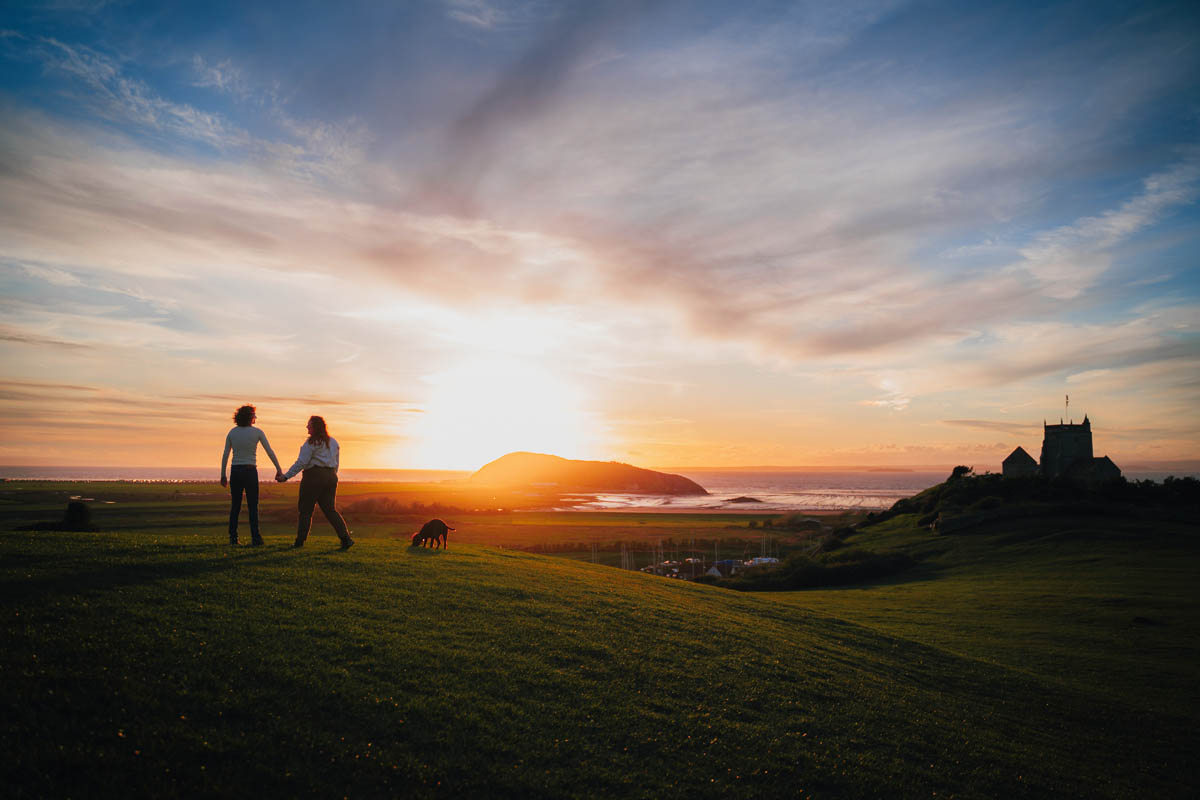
(1066, 452)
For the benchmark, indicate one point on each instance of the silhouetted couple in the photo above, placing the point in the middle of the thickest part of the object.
(318, 460)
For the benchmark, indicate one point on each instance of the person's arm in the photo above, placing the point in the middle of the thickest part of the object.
(301, 462)
(225, 459)
(270, 453)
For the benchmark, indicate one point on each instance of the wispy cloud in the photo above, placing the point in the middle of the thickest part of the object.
(223, 76)
(1066, 261)
(10, 333)
(478, 13)
(102, 84)
(116, 96)
(1012, 428)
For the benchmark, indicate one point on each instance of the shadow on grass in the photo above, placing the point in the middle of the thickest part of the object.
(920, 571)
(423, 552)
(66, 580)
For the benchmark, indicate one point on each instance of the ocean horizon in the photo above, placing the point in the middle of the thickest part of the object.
(729, 490)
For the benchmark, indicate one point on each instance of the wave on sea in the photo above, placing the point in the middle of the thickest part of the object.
(776, 490)
(734, 491)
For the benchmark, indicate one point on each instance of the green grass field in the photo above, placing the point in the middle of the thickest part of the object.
(1054, 660)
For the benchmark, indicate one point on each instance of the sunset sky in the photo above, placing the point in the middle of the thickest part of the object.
(669, 233)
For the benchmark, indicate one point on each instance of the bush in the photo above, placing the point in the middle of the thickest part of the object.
(965, 492)
(829, 542)
(391, 508)
(799, 522)
(986, 503)
(801, 571)
(77, 517)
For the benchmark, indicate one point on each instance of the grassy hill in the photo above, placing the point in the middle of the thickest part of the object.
(1041, 661)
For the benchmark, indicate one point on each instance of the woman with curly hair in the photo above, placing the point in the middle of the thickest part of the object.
(242, 440)
(319, 460)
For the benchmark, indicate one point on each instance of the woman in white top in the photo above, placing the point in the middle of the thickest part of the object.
(319, 460)
(243, 441)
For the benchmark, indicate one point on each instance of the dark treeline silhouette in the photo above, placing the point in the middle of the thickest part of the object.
(386, 508)
(807, 570)
(980, 497)
(964, 502)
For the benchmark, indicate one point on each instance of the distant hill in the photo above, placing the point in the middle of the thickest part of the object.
(537, 470)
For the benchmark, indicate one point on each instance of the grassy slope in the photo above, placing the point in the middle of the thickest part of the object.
(1106, 604)
(161, 663)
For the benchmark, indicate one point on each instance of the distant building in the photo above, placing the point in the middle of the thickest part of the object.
(1093, 471)
(1019, 464)
(1066, 452)
(1065, 445)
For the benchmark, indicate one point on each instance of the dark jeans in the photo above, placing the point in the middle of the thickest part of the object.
(319, 487)
(243, 478)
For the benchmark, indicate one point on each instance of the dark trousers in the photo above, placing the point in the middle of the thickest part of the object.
(243, 478)
(319, 487)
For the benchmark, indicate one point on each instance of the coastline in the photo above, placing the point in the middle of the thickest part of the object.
(773, 492)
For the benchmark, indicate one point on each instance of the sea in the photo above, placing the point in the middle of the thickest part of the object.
(746, 490)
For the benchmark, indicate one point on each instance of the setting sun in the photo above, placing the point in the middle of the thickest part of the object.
(482, 409)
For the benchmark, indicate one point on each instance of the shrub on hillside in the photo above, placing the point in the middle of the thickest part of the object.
(390, 507)
(986, 503)
(77, 517)
(966, 494)
(802, 571)
(799, 522)
(829, 543)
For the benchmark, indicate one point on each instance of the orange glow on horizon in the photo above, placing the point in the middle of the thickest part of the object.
(485, 408)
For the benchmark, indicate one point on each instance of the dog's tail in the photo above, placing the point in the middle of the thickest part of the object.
(450, 529)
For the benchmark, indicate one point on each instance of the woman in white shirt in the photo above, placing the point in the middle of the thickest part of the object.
(319, 460)
(243, 440)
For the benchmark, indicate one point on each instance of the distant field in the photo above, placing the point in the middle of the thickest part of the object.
(1054, 660)
(204, 508)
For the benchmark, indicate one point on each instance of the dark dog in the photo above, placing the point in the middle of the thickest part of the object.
(431, 533)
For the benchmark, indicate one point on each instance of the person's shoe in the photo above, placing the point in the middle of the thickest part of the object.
(234, 543)
(297, 544)
(347, 543)
(256, 543)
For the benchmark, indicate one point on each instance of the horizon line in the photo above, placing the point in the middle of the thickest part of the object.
(1190, 464)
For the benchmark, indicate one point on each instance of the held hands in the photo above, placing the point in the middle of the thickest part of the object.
(279, 476)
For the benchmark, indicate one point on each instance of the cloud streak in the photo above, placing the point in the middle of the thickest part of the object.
(1067, 260)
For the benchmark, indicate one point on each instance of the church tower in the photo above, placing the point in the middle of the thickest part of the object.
(1063, 445)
